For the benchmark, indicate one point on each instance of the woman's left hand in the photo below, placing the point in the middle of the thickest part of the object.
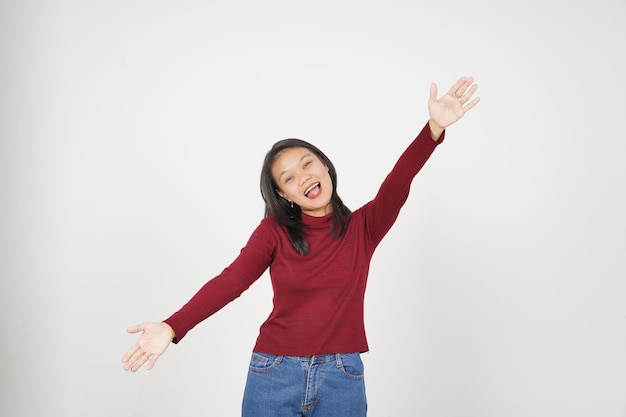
(452, 106)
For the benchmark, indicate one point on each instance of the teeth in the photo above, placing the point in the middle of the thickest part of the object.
(311, 187)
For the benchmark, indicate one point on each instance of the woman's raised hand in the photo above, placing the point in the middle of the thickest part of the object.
(154, 339)
(451, 106)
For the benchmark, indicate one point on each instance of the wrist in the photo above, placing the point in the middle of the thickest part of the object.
(169, 329)
(435, 130)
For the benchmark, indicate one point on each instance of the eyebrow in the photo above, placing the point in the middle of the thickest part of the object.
(301, 158)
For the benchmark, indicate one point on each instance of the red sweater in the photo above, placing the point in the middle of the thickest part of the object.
(318, 297)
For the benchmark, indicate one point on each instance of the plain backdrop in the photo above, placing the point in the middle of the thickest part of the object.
(131, 140)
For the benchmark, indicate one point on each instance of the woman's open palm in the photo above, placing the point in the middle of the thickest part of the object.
(454, 104)
(154, 340)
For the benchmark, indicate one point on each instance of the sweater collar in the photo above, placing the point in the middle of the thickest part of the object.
(317, 222)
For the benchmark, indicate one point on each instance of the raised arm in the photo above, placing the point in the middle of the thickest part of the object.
(383, 210)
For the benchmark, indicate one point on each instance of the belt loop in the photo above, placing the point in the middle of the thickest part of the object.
(338, 357)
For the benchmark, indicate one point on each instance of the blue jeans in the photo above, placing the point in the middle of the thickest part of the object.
(311, 386)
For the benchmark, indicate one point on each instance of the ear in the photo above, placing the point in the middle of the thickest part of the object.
(280, 193)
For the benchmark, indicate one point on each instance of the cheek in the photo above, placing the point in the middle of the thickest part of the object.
(287, 192)
(328, 179)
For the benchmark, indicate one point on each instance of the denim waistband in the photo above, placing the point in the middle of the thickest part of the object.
(318, 359)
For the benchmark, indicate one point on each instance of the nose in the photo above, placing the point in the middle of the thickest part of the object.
(304, 177)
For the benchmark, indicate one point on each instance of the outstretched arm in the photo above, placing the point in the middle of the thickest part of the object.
(452, 106)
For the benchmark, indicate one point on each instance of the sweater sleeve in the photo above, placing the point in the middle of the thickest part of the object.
(253, 260)
(382, 212)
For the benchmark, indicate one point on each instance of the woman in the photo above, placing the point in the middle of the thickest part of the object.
(306, 360)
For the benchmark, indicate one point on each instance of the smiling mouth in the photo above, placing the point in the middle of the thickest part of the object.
(313, 190)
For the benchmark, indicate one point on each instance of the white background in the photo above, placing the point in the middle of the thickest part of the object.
(132, 135)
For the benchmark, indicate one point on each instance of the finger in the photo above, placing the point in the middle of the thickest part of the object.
(129, 354)
(464, 87)
(468, 93)
(468, 82)
(143, 359)
(132, 351)
(131, 358)
(136, 328)
(140, 360)
(433, 92)
(457, 86)
(152, 362)
(471, 104)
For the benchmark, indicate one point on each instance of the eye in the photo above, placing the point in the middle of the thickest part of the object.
(307, 163)
(288, 179)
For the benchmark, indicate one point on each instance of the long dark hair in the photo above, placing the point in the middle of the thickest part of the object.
(282, 210)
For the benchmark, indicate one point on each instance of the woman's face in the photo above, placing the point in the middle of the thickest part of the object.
(303, 179)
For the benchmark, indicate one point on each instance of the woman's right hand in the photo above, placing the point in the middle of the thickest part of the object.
(154, 339)
(452, 106)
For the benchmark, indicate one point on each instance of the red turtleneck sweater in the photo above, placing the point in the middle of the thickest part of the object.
(318, 297)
